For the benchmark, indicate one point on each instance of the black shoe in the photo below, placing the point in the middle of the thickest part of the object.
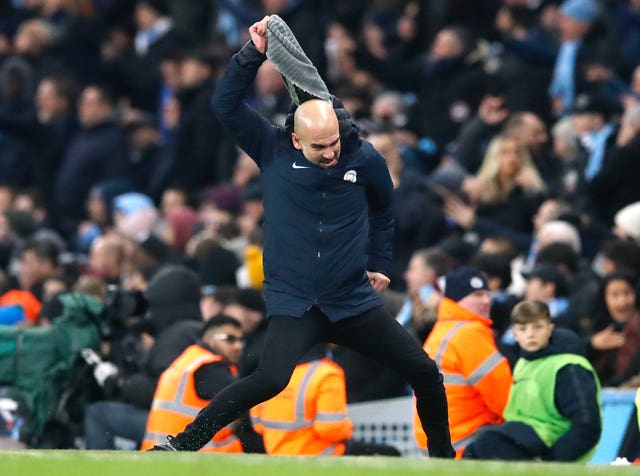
(164, 446)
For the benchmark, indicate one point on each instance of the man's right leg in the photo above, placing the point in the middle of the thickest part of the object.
(288, 338)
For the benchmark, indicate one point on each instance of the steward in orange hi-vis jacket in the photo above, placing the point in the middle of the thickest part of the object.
(477, 377)
(178, 398)
(309, 417)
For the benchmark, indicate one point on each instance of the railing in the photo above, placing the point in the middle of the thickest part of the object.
(391, 421)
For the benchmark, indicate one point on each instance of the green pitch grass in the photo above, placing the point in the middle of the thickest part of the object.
(112, 463)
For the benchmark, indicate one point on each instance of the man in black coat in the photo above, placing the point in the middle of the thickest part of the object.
(48, 130)
(97, 152)
(204, 153)
(328, 229)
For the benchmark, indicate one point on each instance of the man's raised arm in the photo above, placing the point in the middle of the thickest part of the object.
(252, 132)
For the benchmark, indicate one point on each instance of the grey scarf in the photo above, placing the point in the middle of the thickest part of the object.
(298, 72)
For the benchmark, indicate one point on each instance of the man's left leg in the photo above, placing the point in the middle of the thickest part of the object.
(376, 334)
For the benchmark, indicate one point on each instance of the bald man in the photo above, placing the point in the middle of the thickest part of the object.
(328, 227)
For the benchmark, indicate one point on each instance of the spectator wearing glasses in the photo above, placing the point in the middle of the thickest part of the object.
(198, 374)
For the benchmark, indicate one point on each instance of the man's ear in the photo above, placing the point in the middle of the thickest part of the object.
(296, 141)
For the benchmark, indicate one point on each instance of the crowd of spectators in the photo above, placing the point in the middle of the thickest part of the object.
(511, 130)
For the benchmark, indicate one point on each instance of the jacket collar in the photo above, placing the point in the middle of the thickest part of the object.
(449, 310)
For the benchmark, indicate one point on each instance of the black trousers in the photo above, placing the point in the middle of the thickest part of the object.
(373, 333)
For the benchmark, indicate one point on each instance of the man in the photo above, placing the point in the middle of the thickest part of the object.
(204, 153)
(97, 152)
(477, 377)
(423, 296)
(327, 229)
(198, 374)
(48, 131)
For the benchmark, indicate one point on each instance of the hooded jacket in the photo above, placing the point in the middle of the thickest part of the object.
(322, 227)
(477, 377)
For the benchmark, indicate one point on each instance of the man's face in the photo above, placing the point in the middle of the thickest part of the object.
(226, 341)
(538, 290)
(92, 108)
(533, 336)
(534, 132)
(478, 302)
(48, 102)
(418, 274)
(320, 146)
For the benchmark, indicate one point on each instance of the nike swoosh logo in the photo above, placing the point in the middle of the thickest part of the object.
(296, 166)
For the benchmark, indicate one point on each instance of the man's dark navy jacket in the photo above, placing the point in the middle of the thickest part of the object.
(322, 227)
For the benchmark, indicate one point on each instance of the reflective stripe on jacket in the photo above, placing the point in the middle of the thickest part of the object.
(309, 417)
(176, 403)
(477, 377)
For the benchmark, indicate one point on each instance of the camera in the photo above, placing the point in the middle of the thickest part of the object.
(124, 312)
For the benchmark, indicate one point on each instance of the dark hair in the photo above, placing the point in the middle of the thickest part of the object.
(45, 250)
(65, 87)
(219, 321)
(107, 94)
(529, 311)
(507, 247)
(436, 258)
(494, 266)
(559, 254)
(464, 37)
(623, 254)
(603, 317)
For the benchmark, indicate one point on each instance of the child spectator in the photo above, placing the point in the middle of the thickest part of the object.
(554, 406)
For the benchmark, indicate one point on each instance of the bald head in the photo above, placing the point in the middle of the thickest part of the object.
(316, 133)
(314, 114)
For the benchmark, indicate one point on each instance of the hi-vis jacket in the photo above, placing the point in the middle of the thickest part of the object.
(477, 377)
(176, 403)
(309, 417)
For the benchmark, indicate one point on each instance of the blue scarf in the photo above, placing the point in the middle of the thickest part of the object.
(598, 148)
(562, 84)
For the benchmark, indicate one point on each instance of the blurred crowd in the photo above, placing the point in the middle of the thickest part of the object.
(511, 130)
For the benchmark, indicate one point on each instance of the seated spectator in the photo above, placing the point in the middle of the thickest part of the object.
(309, 417)
(554, 411)
(418, 221)
(39, 261)
(136, 362)
(419, 311)
(508, 187)
(620, 254)
(614, 344)
(192, 380)
(477, 377)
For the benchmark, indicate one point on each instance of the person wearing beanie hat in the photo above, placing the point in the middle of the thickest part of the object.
(328, 234)
(476, 376)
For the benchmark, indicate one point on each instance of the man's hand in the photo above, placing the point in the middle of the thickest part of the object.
(378, 280)
(258, 32)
